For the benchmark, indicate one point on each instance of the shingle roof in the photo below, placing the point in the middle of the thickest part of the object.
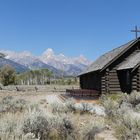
(131, 62)
(103, 60)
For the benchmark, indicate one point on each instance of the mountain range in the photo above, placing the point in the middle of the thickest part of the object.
(58, 63)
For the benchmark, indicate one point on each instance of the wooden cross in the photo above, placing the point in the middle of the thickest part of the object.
(136, 31)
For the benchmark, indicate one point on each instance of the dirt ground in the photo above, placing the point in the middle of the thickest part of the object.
(29, 93)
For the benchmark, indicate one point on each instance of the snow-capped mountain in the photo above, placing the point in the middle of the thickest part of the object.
(72, 66)
(57, 63)
(49, 56)
(28, 60)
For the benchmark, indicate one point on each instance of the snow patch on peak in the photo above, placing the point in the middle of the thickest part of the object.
(49, 56)
(60, 61)
(48, 53)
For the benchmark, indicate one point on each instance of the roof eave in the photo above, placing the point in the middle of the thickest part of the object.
(136, 67)
(119, 55)
(87, 73)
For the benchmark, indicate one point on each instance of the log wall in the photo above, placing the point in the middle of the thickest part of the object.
(110, 80)
(113, 81)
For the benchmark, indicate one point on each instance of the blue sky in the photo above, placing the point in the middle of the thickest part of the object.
(72, 27)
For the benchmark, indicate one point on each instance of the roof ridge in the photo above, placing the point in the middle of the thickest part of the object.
(120, 46)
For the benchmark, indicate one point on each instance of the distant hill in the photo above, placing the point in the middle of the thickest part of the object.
(19, 68)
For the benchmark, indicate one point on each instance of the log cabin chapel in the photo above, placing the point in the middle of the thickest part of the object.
(115, 71)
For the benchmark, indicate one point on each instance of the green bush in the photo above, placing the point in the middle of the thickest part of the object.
(7, 75)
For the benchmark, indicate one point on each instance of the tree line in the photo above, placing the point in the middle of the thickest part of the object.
(9, 76)
(35, 77)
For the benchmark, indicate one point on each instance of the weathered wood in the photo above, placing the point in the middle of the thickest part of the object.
(138, 79)
(115, 88)
(114, 80)
(115, 85)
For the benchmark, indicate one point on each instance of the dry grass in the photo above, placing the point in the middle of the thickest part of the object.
(83, 124)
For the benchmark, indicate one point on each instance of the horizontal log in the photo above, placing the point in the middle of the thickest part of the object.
(134, 79)
(104, 83)
(134, 89)
(134, 86)
(113, 92)
(113, 83)
(114, 80)
(103, 89)
(112, 73)
(113, 77)
(111, 86)
(115, 88)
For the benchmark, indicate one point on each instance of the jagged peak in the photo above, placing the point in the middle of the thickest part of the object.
(48, 52)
